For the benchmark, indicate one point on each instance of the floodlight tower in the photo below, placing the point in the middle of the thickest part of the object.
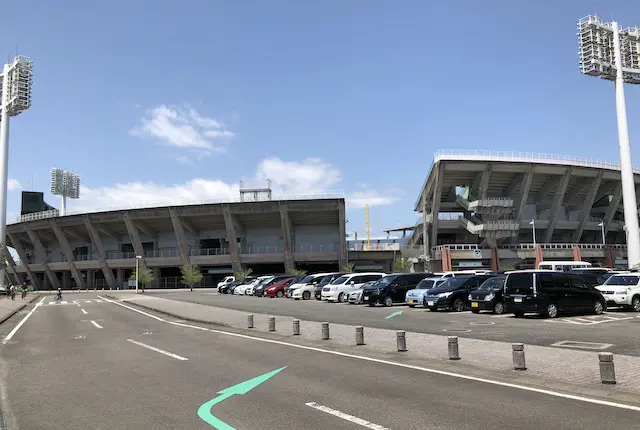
(613, 53)
(66, 184)
(15, 96)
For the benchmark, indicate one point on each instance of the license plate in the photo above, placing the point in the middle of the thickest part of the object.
(474, 304)
(366, 297)
(429, 303)
(517, 299)
(412, 301)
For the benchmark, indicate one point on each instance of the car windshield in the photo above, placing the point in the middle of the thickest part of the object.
(622, 280)
(493, 284)
(451, 284)
(425, 284)
(340, 280)
(306, 280)
(326, 280)
(316, 280)
(386, 280)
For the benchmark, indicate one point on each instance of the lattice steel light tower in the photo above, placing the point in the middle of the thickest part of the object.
(610, 52)
(66, 184)
(15, 96)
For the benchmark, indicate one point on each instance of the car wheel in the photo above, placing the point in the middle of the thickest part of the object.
(340, 296)
(552, 310)
(306, 295)
(598, 307)
(458, 305)
(388, 301)
(498, 308)
(635, 303)
(279, 294)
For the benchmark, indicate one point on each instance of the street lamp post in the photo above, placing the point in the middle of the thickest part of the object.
(15, 96)
(138, 257)
(601, 225)
(533, 224)
(610, 52)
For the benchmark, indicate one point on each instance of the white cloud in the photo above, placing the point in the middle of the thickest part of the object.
(13, 185)
(184, 128)
(289, 178)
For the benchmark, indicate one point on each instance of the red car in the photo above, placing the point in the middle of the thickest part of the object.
(277, 290)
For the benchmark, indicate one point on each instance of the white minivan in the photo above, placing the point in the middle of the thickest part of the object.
(226, 280)
(338, 290)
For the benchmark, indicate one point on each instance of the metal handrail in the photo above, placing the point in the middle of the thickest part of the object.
(530, 246)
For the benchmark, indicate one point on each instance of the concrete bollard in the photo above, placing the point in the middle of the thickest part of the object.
(454, 353)
(518, 356)
(401, 340)
(296, 327)
(325, 330)
(272, 323)
(607, 369)
(359, 335)
(249, 321)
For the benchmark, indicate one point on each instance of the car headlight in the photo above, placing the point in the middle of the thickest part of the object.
(445, 294)
(621, 292)
(489, 297)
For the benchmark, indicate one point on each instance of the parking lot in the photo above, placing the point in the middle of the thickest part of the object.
(614, 331)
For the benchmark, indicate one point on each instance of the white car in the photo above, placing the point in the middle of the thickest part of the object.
(622, 289)
(240, 289)
(340, 288)
(304, 281)
(261, 280)
(306, 290)
(226, 280)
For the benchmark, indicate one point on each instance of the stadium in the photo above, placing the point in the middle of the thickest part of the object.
(480, 209)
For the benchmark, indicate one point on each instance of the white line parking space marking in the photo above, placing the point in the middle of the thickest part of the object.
(589, 320)
(346, 417)
(83, 311)
(16, 328)
(402, 365)
(76, 303)
(161, 351)
(96, 324)
(582, 345)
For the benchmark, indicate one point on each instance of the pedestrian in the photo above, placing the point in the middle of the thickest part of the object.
(24, 291)
(59, 296)
(13, 292)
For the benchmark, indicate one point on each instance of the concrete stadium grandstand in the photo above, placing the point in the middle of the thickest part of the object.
(100, 249)
(480, 210)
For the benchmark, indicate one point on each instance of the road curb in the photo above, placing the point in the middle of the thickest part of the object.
(180, 317)
(3, 320)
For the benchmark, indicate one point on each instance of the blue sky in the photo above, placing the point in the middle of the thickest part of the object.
(181, 100)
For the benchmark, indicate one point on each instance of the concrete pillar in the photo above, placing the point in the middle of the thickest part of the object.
(65, 280)
(24, 262)
(495, 260)
(180, 238)
(342, 236)
(587, 205)
(94, 235)
(41, 256)
(539, 257)
(47, 282)
(561, 189)
(609, 260)
(576, 254)
(119, 277)
(66, 248)
(446, 259)
(232, 238)
(156, 276)
(435, 205)
(287, 234)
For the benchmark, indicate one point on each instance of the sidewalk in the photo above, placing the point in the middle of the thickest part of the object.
(9, 307)
(547, 364)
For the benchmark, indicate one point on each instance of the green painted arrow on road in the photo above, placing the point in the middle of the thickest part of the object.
(395, 314)
(204, 411)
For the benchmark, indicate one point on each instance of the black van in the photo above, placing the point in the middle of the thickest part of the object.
(548, 293)
(454, 292)
(392, 289)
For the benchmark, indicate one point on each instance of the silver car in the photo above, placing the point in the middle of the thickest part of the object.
(355, 297)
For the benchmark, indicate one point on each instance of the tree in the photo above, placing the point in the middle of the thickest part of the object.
(243, 274)
(298, 272)
(401, 265)
(349, 268)
(145, 276)
(190, 275)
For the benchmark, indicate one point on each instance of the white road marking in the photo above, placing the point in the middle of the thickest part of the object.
(77, 303)
(503, 316)
(161, 351)
(64, 302)
(402, 365)
(16, 328)
(87, 301)
(96, 324)
(346, 417)
(83, 311)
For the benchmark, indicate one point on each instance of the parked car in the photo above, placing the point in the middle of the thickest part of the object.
(454, 293)
(239, 283)
(226, 280)
(392, 288)
(317, 292)
(307, 286)
(262, 281)
(488, 297)
(258, 290)
(355, 297)
(276, 289)
(340, 288)
(415, 296)
(549, 293)
(594, 275)
(622, 290)
(228, 288)
(241, 289)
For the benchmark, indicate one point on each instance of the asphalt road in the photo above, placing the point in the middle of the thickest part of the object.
(617, 328)
(74, 369)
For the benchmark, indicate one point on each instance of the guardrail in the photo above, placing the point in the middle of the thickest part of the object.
(530, 246)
